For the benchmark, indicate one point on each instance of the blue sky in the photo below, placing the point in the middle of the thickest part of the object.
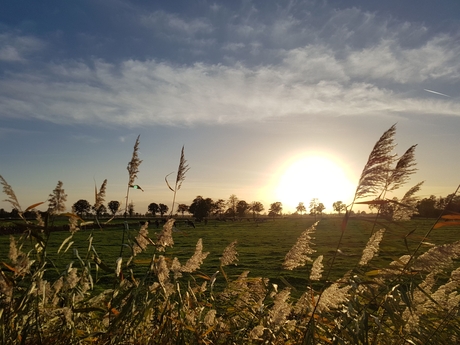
(247, 86)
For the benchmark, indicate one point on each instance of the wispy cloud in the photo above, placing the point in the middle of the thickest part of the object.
(436, 59)
(173, 24)
(303, 75)
(15, 47)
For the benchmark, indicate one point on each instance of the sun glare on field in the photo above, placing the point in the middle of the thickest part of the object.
(314, 176)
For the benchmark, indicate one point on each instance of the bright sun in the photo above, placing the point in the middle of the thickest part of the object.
(314, 176)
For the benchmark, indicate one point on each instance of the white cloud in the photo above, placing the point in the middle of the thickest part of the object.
(389, 61)
(233, 46)
(146, 93)
(175, 24)
(15, 48)
(321, 77)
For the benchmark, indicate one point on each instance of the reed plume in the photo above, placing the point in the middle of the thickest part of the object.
(403, 169)
(332, 297)
(298, 255)
(317, 268)
(230, 255)
(372, 247)
(165, 238)
(374, 174)
(180, 177)
(133, 165)
(281, 309)
(12, 199)
(100, 196)
(196, 260)
(437, 257)
(133, 169)
(141, 241)
(407, 205)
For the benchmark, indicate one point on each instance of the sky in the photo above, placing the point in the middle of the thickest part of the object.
(272, 100)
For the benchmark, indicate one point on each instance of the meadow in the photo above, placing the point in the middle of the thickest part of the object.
(261, 246)
(386, 278)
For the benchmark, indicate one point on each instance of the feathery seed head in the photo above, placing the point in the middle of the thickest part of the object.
(8, 190)
(165, 238)
(403, 169)
(378, 165)
(73, 224)
(133, 165)
(176, 268)
(317, 268)
(100, 196)
(407, 206)
(229, 255)
(437, 257)
(372, 247)
(281, 308)
(333, 297)
(13, 253)
(141, 241)
(118, 266)
(197, 258)
(298, 255)
(182, 170)
(210, 318)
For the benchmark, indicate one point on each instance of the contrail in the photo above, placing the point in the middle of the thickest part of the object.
(437, 93)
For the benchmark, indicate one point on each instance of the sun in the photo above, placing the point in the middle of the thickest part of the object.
(309, 177)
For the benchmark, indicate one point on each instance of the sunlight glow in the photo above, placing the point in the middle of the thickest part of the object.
(313, 176)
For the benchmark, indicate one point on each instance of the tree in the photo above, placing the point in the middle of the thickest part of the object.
(3, 213)
(57, 199)
(14, 214)
(301, 208)
(428, 207)
(313, 206)
(163, 209)
(320, 208)
(241, 208)
(131, 209)
(153, 208)
(256, 207)
(100, 210)
(232, 202)
(275, 209)
(81, 207)
(316, 207)
(182, 208)
(113, 206)
(200, 207)
(339, 206)
(218, 207)
(453, 206)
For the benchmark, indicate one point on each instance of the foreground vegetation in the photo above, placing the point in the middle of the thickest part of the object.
(309, 282)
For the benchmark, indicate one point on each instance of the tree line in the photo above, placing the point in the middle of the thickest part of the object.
(201, 208)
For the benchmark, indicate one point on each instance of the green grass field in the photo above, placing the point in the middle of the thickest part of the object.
(261, 247)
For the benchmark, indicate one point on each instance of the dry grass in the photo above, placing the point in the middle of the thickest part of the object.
(412, 300)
